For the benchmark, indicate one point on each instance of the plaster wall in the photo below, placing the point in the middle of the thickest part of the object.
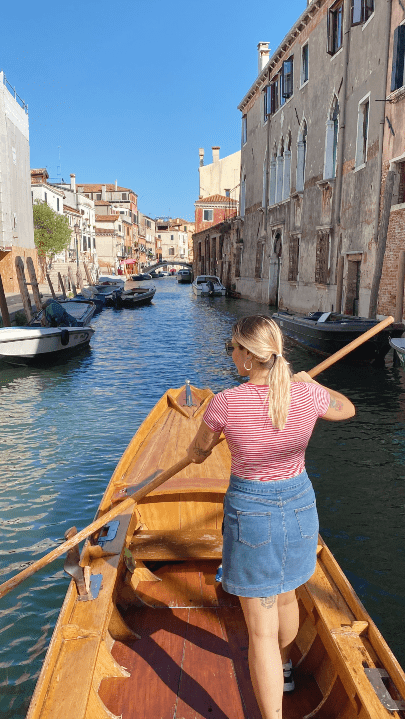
(221, 175)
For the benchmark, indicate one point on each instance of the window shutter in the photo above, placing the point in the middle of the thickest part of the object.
(293, 258)
(397, 76)
(329, 40)
(269, 104)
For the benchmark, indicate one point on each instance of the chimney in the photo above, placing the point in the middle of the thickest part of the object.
(201, 154)
(73, 182)
(116, 185)
(264, 55)
(104, 192)
(215, 154)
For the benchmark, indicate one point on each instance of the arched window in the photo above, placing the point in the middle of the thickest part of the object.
(332, 134)
(272, 184)
(301, 156)
(287, 168)
(280, 172)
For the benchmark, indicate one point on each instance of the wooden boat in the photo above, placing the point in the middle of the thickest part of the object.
(326, 332)
(162, 639)
(135, 296)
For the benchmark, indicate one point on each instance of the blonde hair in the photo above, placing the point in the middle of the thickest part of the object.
(263, 338)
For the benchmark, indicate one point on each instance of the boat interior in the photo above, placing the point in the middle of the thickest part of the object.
(163, 639)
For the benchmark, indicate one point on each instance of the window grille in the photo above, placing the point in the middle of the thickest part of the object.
(322, 258)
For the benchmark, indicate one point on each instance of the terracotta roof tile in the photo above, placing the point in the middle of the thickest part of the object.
(217, 199)
(70, 209)
(107, 218)
(94, 188)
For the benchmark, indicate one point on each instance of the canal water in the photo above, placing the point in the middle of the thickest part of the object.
(63, 430)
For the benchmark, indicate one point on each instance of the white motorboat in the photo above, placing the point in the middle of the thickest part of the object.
(26, 344)
(112, 280)
(208, 285)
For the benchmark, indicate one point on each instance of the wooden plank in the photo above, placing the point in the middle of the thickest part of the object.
(175, 545)
(154, 662)
(208, 684)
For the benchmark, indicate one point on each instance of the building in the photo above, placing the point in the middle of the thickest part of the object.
(221, 177)
(311, 160)
(213, 210)
(173, 239)
(16, 223)
(147, 240)
(80, 211)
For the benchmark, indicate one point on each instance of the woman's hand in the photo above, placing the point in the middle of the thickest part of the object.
(303, 377)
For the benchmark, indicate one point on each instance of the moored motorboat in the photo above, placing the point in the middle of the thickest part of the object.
(326, 332)
(110, 291)
(135, 296)
(208, 285)
(29, 344)
(157, 636)
(184, 275)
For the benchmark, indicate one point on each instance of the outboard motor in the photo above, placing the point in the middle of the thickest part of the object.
(210, 286)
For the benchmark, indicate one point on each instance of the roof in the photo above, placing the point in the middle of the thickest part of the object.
(101, 202)
(39, 171)
(70, 209)
(217, 199)
(93, 188)
(107, 218)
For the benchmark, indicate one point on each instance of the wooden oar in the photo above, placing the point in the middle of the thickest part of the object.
(146, 488)
(150, 485)
(351, 346)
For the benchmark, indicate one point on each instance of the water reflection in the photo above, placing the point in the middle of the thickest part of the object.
(65, 428)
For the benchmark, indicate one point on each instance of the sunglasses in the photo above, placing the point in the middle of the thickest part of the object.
(229, 348)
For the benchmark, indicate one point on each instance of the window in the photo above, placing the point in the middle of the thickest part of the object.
(124, 196)
(304, 64)
(398, 57)
(244, 129)
(322, 258)
(273, 173)
(242, 195)
(362, 132)
(274, 96)
(335, 28)
(98, 196)
(361, 10)
(227, 193)
(84, 243)
(301, 157)
(207, 216)
(57, 204)
(287, 76)
(266, 102)
(294, 250)
(46, 197)
(332, 133)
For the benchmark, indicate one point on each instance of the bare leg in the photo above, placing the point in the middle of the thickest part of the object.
(288, 617)
(266, 672)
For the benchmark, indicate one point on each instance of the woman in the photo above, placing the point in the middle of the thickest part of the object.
(270, 517)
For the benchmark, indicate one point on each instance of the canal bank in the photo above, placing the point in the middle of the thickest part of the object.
(64, 429)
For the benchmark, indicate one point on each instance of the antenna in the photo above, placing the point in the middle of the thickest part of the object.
(58, 171)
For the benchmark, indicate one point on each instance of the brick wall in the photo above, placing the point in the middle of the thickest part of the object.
(395, 243)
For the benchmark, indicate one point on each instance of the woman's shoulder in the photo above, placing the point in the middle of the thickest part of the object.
(310, 392)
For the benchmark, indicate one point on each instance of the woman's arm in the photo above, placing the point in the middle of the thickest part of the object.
(340, 407)
(202, 444)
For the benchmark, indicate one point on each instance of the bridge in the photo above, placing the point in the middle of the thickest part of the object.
(164, 263)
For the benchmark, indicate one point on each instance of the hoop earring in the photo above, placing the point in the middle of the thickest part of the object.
(246, 368)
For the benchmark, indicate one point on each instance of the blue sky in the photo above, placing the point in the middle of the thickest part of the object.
(129, 90)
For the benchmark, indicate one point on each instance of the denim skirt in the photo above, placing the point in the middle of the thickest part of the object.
(270, 536)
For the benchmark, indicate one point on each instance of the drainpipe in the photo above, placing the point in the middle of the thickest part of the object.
(386, 41)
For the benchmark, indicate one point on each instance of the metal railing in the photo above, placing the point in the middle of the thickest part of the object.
(13, 92)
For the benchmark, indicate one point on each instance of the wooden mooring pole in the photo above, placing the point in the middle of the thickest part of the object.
(22, 283)
(34, 283)
(3, 306)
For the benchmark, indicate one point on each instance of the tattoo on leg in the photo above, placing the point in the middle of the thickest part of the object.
(268, 602)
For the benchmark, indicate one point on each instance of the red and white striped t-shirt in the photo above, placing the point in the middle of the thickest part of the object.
(260, 451)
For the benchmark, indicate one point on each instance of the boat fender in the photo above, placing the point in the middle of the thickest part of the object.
(218, 576)
(64, 337)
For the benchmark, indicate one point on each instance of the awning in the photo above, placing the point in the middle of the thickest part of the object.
(129, 261)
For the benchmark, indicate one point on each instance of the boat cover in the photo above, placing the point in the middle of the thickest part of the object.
(56, 315)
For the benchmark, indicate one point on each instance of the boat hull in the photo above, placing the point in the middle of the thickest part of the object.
(326, 338)
(28, 344)
(135, 297)
(162, 638)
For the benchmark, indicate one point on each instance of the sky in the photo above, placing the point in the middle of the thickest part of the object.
(129, 90)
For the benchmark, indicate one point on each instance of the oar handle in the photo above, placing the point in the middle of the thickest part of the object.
(90, 529)
(351, 346)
